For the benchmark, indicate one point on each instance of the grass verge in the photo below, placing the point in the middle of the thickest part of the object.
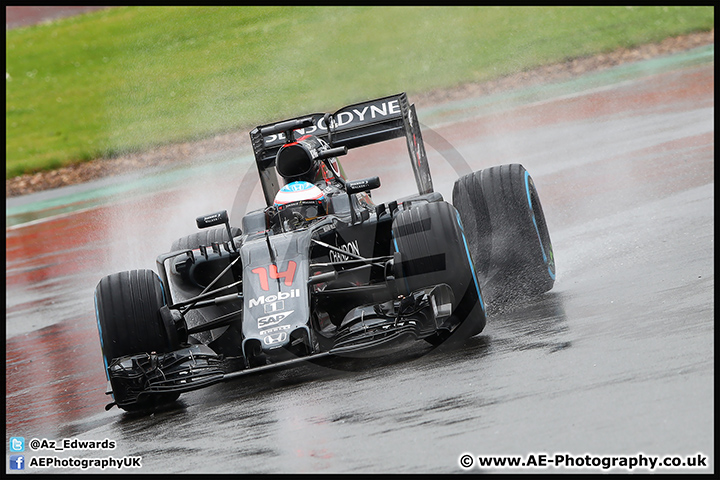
(128, 78)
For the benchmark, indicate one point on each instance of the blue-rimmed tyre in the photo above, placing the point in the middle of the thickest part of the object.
(433, 251)
(128, 310)
(507, 233)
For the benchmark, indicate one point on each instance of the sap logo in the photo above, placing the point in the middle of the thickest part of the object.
(264, 322)
(351, 247)
(275, 338)
(263, 299)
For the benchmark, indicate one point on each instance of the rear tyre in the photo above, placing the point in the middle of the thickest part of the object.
(127, 306)
(433, 251)
(507, 232)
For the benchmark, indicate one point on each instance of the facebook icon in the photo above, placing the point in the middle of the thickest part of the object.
(17, 462)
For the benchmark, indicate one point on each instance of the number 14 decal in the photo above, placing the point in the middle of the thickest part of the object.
(288, 275)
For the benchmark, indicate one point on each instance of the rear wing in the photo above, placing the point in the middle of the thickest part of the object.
(353, 126)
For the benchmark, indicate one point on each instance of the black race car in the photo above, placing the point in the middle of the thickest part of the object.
(322, 271)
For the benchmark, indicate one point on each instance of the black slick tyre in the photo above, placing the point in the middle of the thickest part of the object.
(433, 251)
(507, 232)
(127, 306)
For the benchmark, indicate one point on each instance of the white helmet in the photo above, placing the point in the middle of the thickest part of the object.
(301, 200)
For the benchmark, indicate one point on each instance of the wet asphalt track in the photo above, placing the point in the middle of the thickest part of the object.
(618, 359)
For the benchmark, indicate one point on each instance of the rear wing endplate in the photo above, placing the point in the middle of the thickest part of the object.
(352, 126)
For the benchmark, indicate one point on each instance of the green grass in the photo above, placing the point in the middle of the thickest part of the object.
(128, 78)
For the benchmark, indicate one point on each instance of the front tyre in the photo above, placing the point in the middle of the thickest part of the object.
(127, 307)
(434, 251)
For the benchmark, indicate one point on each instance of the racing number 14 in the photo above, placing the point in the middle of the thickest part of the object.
(288, 275)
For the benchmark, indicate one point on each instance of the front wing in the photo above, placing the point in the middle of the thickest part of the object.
(198, 366)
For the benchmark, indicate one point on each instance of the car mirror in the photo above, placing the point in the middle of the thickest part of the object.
(364, 185)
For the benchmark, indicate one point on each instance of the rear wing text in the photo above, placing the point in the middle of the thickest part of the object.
(352, 126)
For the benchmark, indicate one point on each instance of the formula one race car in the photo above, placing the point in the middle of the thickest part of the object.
(322, 271)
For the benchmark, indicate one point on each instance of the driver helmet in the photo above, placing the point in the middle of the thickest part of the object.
(300, 200)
